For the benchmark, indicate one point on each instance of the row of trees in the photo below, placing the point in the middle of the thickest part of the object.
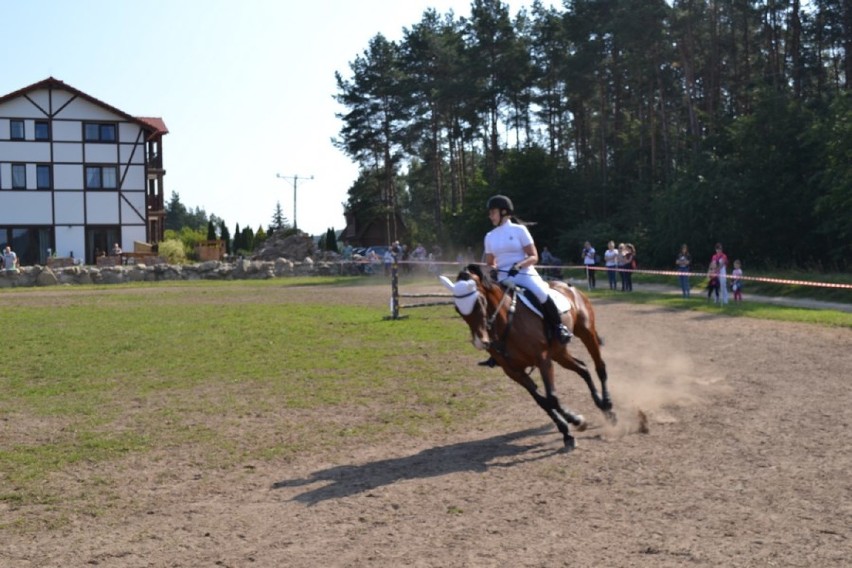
(657, 123)
(192, 227)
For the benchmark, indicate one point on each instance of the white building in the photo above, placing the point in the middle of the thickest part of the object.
(76, 174)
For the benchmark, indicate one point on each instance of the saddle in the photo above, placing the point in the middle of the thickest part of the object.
(563, 304)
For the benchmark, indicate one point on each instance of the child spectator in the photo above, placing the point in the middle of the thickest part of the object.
(713, 281)
(737, 285)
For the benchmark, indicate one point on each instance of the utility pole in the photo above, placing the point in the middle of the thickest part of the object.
(295, 179)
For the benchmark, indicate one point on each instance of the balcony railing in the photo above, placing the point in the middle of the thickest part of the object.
(155, 161)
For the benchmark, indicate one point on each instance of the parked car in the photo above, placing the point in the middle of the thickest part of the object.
(380, 250)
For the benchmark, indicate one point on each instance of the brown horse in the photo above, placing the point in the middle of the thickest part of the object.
(515, 336)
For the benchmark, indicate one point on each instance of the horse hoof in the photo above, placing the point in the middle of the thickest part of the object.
(643, 423)
(611, 417)
(581, 423)
(570, 444)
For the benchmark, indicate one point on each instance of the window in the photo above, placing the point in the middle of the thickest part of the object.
(19, 176)
(42, 130)
(99, 132)
(101, 177)
(16, 129)
(43, 176)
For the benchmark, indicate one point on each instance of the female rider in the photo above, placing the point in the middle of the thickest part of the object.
(509, 248)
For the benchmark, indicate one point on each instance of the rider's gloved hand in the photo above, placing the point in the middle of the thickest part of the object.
(513, 271)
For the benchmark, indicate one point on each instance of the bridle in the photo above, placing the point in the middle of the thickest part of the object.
(462, 294)
(510, 297)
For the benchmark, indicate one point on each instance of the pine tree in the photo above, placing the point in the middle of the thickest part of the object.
(331, 241)
(259, 237)
(238, 239)
(279, 221)
(225, 235)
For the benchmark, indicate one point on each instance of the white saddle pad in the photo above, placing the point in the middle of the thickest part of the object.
(563, 304)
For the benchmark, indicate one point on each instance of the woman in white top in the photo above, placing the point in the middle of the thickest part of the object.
(611, 262)
(509, 248)
(589, 254)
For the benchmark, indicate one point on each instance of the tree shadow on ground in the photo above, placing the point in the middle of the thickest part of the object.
(473, 456)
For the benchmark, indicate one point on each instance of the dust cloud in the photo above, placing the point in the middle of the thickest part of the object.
(650, 377)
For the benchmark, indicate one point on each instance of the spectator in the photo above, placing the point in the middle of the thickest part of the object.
(737, 282)
(621, 262)
(418, 256)
(373, 261)
(116, 249)
(388, 259)
(611, 262)
(419, 253)
(713, 281)
(683, 262)
(721, 260)
(10, 260)
(589, 261)
(626, 263)
(546, 256)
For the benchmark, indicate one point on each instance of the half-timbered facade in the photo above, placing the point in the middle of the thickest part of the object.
(77, 175)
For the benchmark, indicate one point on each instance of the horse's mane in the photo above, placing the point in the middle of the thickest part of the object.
(476, 270)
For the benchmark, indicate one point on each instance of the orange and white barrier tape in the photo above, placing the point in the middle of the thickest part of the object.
(704, 275)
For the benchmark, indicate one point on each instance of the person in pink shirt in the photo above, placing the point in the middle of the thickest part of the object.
(721, 260)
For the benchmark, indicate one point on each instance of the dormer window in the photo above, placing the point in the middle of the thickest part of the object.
(99, 132)
(42, 130)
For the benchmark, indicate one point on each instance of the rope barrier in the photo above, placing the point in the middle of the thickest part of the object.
(432, 267)
(768, 280)
(729, 276)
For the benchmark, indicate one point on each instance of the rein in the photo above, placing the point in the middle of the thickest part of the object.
(511, 294)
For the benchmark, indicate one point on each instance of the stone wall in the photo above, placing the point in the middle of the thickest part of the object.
(211, 270)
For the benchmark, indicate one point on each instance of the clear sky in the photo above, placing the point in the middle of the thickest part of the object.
(245, 87)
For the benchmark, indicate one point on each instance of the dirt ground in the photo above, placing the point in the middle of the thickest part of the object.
(747, 463)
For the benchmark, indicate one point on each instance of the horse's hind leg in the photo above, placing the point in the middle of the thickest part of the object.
(590, 339)
(603, 402)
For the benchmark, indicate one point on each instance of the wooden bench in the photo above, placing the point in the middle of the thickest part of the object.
(135, 257)
(60, 261)
(103, 261)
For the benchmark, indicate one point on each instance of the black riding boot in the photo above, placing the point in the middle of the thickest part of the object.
(554, 321)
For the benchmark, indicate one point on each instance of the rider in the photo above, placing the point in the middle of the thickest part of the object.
(509, 248)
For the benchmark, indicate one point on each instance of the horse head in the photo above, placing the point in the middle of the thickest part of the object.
(473, 291)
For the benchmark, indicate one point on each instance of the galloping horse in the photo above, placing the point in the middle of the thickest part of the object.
(515, 336)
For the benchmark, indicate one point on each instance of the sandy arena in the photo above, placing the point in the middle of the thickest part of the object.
(747, 463)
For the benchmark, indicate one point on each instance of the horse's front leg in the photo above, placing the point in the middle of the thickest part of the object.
(545, 367)
(546, 403)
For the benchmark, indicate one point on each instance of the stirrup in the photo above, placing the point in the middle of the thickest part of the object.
(563, 334)
(490, 362)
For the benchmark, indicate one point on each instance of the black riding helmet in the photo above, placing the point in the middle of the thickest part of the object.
(501, 202)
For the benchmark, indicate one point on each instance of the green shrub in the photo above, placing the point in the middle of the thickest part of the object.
(173, 251)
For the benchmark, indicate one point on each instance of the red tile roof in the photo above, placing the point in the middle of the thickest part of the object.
(154, 122)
